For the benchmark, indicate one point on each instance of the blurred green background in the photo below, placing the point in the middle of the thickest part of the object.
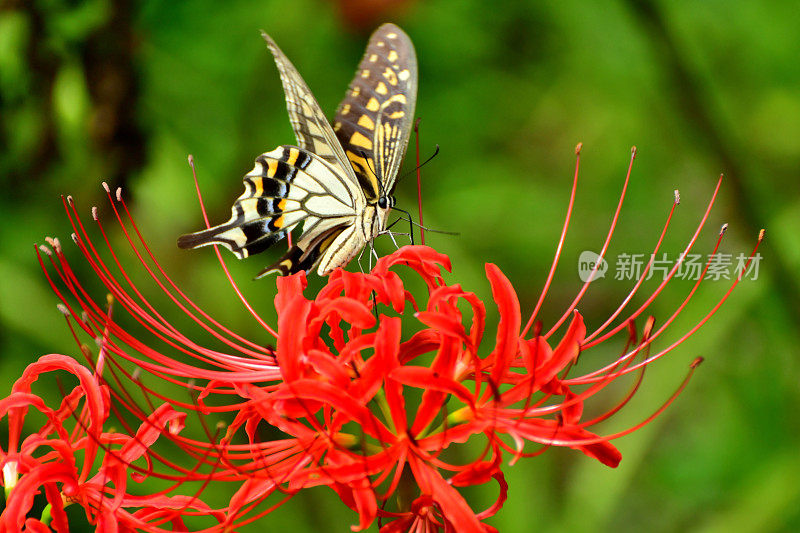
(122, 91)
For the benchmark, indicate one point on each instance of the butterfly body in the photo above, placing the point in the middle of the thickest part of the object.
(338, 181)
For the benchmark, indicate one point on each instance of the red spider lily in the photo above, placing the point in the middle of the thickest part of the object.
(84, 465)
(375, 389)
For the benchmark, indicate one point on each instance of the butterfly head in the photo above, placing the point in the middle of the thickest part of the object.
(383, 206)
(386, 202)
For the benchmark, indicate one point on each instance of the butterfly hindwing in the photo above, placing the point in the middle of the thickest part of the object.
(304, 255)
(286, 187)
(373, 122)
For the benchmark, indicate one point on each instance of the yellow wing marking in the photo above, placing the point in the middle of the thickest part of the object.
(293, 153)
(359, 140)
(401, 98)
(390, 76)
(358, 160)
(366, 122)
(259, 188)
(272, 167)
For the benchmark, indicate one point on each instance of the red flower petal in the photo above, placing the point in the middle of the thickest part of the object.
(510, 322)
(566, 351)
(453, 505)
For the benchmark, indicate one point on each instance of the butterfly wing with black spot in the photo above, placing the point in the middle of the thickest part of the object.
(287, 187)
(373, 122)
(313, 185)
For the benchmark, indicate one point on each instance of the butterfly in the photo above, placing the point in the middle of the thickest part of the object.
(338, 181)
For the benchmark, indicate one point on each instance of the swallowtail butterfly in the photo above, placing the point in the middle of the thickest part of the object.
(338, 181)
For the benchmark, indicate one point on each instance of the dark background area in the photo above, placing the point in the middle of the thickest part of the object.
(122, 91)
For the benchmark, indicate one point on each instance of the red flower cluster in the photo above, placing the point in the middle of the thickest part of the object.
(394, 400)
(410, 400)
(74, 461)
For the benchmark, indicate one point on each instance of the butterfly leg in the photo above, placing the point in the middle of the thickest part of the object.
(360, 255)
(372, 253)
(410, 233)
(391, 236)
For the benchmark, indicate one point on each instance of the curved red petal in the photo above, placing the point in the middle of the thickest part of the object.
(510, 321)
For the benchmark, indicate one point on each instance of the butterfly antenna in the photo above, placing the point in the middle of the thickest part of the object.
(421, 226)
(420, 165)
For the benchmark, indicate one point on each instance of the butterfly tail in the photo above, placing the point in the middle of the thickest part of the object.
(243, 239)
(199, 238)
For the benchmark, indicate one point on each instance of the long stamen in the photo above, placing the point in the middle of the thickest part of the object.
(669, 276)
(560, 244)
(642, 278)
(258, 351)
(222, 263)
(603, 250)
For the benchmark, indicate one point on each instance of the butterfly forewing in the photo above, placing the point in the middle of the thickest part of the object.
(310, 126)
(374, 120)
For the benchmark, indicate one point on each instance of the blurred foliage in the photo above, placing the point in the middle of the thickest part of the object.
(122, 91)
